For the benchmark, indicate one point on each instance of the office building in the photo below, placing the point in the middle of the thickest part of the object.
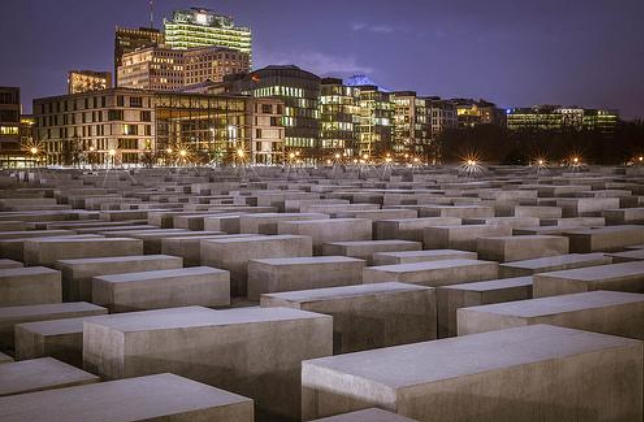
(412, 123)
(165, 69)
(339, 118)
(198, 27)
(79, 81)
(557, 118)
(128, 40)
(114, 126)
(11, 153)
(471, 113)
(298, 89)
(376, 123)
(444, 115)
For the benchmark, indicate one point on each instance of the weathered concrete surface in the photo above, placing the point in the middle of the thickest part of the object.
(252, 351)
(10, 316)
(458, 211)
(266, 223)
(367, 415)
(518, 248)
(130, 292)
(463, 238)
(30, 286)
(328, 231)
(605, 239)
(47, 251)
(154, 398)
(626, 277)
(616, 313)
(526, 374)
(40, 374)
(394, 258)
(365, 249)
(6, 264)
(627, 256)
(433, 273)
(15, 248)
(234, 254)
(368, 316)
(456, 296)
(5, 358)
(410, 228)
(78, 273)
(552, 263)
(189, 248)
(290, 274)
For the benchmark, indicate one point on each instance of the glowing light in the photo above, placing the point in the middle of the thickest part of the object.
(416, 160)
(241, 153)
(291, 155)
(34, 150)
(541, 162)
(183, 152)
(92, 149)
(366, 156)
(112, 152)
(328, 162)
(575, 160)
(297, 153)
(406, 155)
(641, 158)
(388, 155)
(388, 159)
(169, 150)
(355, 161)
(337, 156)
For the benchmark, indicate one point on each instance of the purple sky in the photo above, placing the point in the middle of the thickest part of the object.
(512, 52)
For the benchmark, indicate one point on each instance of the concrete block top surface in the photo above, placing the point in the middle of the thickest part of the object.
(259, 238)
(39, 374)
(115, 259)
(197, 316)
(419, 363)
(73, 240)
(559, 260)
(601, 272)
(373, 243)
(367, 415)
(12, 312)
(427, 253)
(128, 400)
(606, 229)
(329, 221)
(307, 260)
(55, 327)
(554, 305)
(158, 274)
(491, 285)
(332, 293)
(429, 265)
(26, 272)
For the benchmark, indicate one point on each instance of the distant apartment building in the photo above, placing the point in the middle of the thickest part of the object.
(79, 81)
(556, 118)
(118, 126)
(11, 153)
(412, 123)
(471, 113)
(339, 117)
(101, 127)
(128, 40)
(298, 89)
(376, 123)
(165, 69)
(199, 27)
(444, 115)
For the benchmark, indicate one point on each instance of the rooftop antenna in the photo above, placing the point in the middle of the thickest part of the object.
(151, 14)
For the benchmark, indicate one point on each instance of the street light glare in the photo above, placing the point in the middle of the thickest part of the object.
(34, 150)
(240, 153)
(183, 153)
(112, 152)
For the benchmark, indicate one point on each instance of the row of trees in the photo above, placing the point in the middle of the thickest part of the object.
(494, 144)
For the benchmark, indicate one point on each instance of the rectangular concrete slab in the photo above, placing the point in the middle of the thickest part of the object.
(6, 264)
(234, 254)
(626, 277)
(30, 286)
(628, 256)
(605, 239)
(131, 292)
(410, 228)
(552, 263)
(408, 257)
(433, 273)
(291, 274)
(155, 398)
(189, 248)
(463, 238)
(456, 296)
(247, 351)
(518, 248)
(367, 415)
(365, 249)
(328, 231)
(78, 273)
(10, 316)
(266, 223)
(47, 251)
(368, 316)
(526, 374)
(616, 313)
(40, 374)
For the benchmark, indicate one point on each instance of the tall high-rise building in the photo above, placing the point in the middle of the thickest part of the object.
(127, 40)
(300, 92)
(87, 80)
(339, 116)
(10, 149)
(198, 27)
(165, 69)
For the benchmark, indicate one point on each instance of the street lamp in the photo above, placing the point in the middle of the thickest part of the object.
(241, 153)
(183, 153)
(34, 150)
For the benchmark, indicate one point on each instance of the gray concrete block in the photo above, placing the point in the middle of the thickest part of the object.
(519, 248)
(30, 286)
(552, 263)
(408, 257)
(365, 249)
(47, 251)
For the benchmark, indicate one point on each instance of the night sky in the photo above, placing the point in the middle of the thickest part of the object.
(513, 52)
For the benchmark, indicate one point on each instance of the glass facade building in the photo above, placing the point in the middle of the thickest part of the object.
(554, 117)
(340, 117)
(203, 28)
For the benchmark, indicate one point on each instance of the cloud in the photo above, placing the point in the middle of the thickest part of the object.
(317, 62)
(378, 29)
